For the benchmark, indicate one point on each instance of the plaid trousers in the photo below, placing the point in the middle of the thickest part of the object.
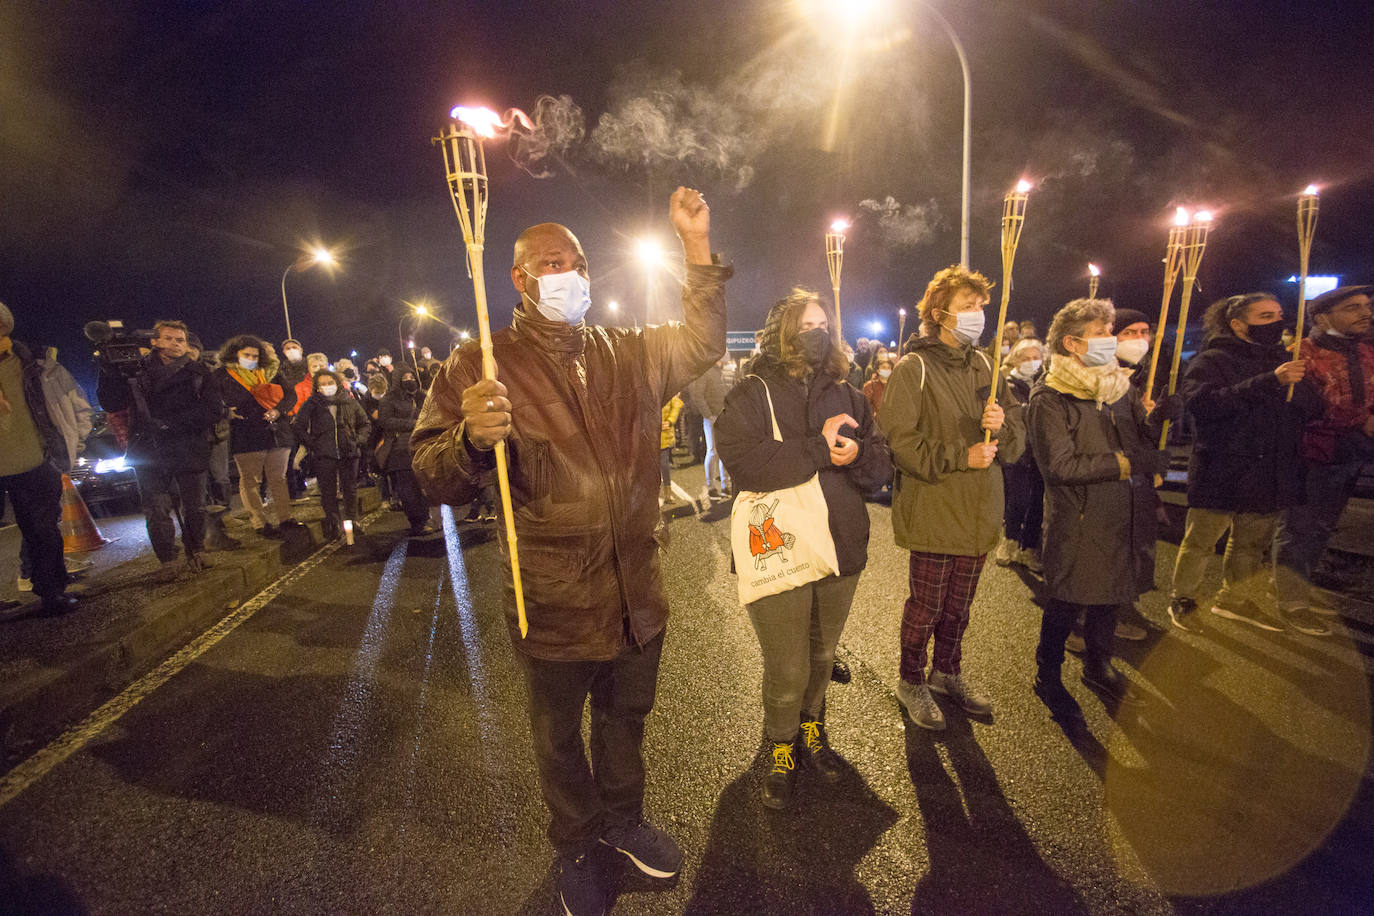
(942, 589)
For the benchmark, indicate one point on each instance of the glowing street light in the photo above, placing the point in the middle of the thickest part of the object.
(319, 255)
(648, 252)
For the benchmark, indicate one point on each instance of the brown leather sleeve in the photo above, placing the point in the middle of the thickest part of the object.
(677, 353)
(447, 467)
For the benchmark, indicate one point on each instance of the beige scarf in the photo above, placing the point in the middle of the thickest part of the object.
(1103, 384)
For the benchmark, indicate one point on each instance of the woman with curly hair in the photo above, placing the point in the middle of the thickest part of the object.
(260, 439)
(946, 496)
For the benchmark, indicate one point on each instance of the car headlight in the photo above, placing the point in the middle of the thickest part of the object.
(110, 465)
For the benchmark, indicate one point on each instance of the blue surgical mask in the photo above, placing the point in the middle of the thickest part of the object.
(1101, 351)
(249, 364)
(562, 297)
(968, 327)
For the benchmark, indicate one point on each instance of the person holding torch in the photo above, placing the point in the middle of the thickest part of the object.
(578, 408)
(947, 496)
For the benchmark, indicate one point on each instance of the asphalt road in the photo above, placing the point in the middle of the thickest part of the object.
(359, 745)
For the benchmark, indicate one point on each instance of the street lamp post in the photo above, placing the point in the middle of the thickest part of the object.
(968, 127)
(318, 255)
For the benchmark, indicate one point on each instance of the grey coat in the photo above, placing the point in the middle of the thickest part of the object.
(1097, 526)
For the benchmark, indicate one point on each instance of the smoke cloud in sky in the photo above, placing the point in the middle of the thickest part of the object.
(902, 225)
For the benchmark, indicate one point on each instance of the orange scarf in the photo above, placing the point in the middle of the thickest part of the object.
(255, 380)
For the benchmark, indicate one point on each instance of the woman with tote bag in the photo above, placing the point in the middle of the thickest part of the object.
(801, 446)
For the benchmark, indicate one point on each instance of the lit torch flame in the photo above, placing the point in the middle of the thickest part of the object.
(1023, 186)
(1181, 216)
(1094, 270)
(839, 225)
(1310, 191)
(486, 122)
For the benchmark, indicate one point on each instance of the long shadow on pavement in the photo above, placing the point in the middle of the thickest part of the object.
(800, 860)
(981, 860)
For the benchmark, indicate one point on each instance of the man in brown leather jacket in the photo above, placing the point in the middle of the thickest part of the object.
(579, 407)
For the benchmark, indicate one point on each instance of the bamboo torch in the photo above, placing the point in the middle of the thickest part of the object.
(901, 330)
(1307, 228)
(1194, 244)
(1173, 259)
(466, 165)
(834, 259)
(1094, 274)
(1013, 217)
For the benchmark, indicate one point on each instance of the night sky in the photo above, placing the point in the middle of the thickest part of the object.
(169, 159)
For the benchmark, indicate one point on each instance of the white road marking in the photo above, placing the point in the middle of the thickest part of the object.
(78, 736)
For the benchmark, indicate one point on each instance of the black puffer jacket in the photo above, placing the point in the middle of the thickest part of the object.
(756, 461)
(396, 416)
(1245, 455)
(337, 433)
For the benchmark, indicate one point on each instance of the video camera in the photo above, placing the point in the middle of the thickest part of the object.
(116, 349)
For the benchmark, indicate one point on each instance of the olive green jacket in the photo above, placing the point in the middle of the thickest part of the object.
(932, 412)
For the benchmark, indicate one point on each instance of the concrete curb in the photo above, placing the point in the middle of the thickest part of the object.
(35, 709)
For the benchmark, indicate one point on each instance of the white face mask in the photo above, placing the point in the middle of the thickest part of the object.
(249, 364)
(384, 361)
(968, 327)
(1027, 369)
(293, 354)
(884, 373)
(562, 297)
(1101, 351)
(1133, 350)
(329, 390)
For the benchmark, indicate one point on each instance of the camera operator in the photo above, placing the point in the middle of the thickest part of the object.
(174, 404)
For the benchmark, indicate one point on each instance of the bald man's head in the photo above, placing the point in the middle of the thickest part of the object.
(547, 248)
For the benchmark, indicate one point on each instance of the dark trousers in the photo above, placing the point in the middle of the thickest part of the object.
(407, 490)
(334, 475)
(1306, 529)
(1099, 627)
(36, 496)
(221, 489)
(584, 800)
(295, 478)
(1023, 502)
(160, 488)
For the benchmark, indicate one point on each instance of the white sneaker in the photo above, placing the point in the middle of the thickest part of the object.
(1007, 552)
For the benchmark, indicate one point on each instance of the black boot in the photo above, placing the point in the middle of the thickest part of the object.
(1110, 684)
(839, 672)
(1051, 690)
(823, 759)
(782, 777)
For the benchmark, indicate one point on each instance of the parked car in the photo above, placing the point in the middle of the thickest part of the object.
(106, 481)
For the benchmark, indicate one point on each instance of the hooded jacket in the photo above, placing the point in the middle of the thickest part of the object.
(756, 461)
(584, 463)
(50, 436)
(183, 405)
(250, 430)
(396, 416)
(932, 412)
(333, 427)
(1245, 449)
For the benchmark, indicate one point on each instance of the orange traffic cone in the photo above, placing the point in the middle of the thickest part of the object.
(79, 532)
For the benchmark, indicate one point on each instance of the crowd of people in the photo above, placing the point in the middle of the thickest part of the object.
(180, 413)
(1044, 453)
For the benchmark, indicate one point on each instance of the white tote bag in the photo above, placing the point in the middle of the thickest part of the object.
(781, 538)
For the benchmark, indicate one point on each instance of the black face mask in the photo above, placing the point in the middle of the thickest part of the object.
(1266, 335)
(814, 346)
(410, 386)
